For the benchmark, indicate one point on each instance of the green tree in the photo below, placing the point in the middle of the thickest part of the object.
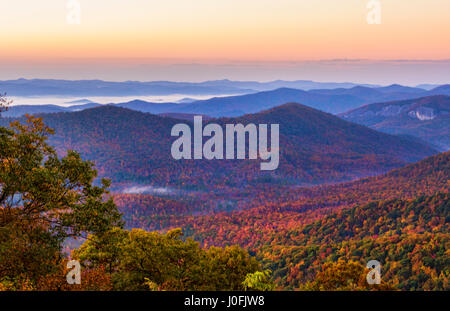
(228, 267)
(37, 187)
(142, 260)
(259, 281)
(44, 199)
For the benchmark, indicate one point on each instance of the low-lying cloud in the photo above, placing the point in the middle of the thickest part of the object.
(148, 190)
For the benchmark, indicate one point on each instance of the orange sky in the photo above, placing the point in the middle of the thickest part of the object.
(36, 32)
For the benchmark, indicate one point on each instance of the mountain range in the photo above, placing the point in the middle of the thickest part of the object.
(334, 101)
(315, 147)
(49, 87)
(328, 100)
(427, 118)
(52, 87)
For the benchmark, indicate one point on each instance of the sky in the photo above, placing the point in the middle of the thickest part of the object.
(195, 40)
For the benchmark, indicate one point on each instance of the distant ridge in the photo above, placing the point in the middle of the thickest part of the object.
(20, 110)
(50, 87)
(336, 100)
(427, 118)
(47, 87)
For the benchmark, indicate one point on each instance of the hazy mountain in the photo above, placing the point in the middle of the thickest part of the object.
(20, 110)
(427, 87)
(252, 103)
(370, 95)
(328, 100)
(335, 101)
(397, 88)
(272, 85)
(82, 107)
(225, 106)
(315, 147)
(80, 101)
(17, 111)
(186, 100)
(183, 116)
(440, 90)
(52, 87)
(144, 106)
(46, 87)
(427, 118)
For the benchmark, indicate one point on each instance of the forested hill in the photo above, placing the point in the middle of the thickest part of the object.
(315, 147)
(400, 219)
(409, 238)
(427, 118)
(276, 211)
(390, 217)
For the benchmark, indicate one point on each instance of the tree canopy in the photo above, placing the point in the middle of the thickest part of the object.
(141, 260)
(44, 199)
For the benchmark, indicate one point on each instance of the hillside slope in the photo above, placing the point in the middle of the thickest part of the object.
(427, 118)
(410, 238)
(400, 219)
(315, 147)
(277, 213)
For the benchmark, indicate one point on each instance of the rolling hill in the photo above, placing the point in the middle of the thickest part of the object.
(20, 110)
(427, 118)
(251, 103)
(328, 100)
(144, 106)
(53, 87)
(277, 210)
(400, 219)
(334, 101)
(230, 106)
(274, 207)
(410, 238)
(386, 93)
(316, 147)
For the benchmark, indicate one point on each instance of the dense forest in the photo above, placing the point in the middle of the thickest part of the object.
(409, 237)
(405, 224)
